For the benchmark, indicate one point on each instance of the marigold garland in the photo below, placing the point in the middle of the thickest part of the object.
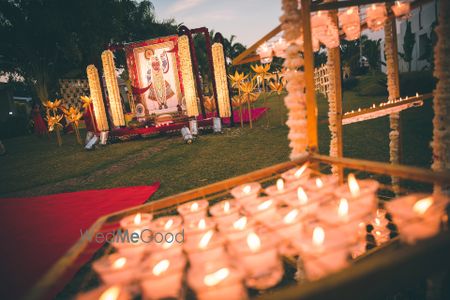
(190, 94)
(220, 74)
(112, 86)
(97, 98)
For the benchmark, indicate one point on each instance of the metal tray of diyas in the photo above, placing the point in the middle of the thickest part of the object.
(291, 231)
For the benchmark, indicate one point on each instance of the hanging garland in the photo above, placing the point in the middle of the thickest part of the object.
(393, 89)
(220, 74)
(295, 100)
(441, 104)
(112, 86)
(331, 96)
(187, 76)
(97, 98)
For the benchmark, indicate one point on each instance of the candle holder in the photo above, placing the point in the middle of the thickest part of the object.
(245, 192)
(238, 230)
(130, 248)
(217, 280)
(262, 209)
(116, 269)
(401, 9)
(258, 255)
(265, 53)
(194, 231)
(209, 248)
(115, 292)
(321, 185)
(279, 47)
(287, 224)
(162, 277)
(297, 176)
(349, 19)
(193, 211)
(225, 212)
(136, 222)
(279, 190)
(363, 191)
(376, 15)
(418, 216)
(171, 233)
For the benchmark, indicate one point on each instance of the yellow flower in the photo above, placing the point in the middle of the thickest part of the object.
(247, 87)
(237, 78)
(261, 69)
(73, 115)
(52, 105)
(276, 87)
(86, 101)
(53, 121)
(209, 103)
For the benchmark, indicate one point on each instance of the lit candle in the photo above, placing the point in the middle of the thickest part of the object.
(306, 202)
(193, 211)
(168, 235)
(194, 231)
(210, 247)
(261, 210)
(225, 212)
(135, 222)
(238, 230)
(245, 192)
(114, 292)
(258, 256)
(217, 280)
(162, 278)
(287, 224)
(116, 269)
(401, 9)
(362, 191)
(134, 246)
(418, 216)
(296, 176)
(323, 185)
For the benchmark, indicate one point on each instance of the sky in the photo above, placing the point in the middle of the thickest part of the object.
(248, 20)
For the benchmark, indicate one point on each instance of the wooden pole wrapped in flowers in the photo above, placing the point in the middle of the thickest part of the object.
(220, 74)
(295, 100)
(112, 86)
(441, 104)
(390, 49)
(190, 94)
(96, 98)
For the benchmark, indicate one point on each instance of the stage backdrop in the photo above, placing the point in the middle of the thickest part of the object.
(154, 67)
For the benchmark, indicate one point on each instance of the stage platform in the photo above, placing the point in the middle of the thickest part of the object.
(130, 133)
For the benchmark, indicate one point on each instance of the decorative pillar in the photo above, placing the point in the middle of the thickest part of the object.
(97, 98)
(112, 86)
(295, 100)
(190, 94)
(441, 101)
(220, 74)
(393, 83)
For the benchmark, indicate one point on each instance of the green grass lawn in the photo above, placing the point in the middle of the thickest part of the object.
(36, 166)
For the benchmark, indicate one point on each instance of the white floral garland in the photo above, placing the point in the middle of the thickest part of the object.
(331, 95)
(393, 89)
(441, 102)
(295, 100)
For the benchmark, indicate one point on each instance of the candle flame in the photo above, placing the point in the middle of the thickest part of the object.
(280, 185)
(373, 6)
(202, 224)
(253, 242)
(166, 245)
(301, 170)
(161, 267)
(353, 185)
(377, 232)
(377, 222)
(168, 224)
(343, 208)
(265, 205)
(417, 94)
(421, 206)
(204, 241)
(240, 224)
(319, 182)
(137, 219)
(247, 189)
(216, 277)
(194, 206)
(290, 217)
(111, 293)
(119, 263)
(226, 206)
(302, 197)
(318, 236)
(397, 3)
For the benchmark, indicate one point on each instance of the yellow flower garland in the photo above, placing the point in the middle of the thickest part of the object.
(220, 74)
(190, 93)
(112, 86)
(97, 98)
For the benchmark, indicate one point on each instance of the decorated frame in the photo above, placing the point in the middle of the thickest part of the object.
(155, 75)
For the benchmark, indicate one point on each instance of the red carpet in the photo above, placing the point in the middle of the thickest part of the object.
(35, 232)
(257, 113)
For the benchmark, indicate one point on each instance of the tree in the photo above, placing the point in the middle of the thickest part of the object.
(371, 50)
(409, 40)
(43, 40)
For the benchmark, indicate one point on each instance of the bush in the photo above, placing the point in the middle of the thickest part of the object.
(350, 83)
(373, 84)
(421, 82)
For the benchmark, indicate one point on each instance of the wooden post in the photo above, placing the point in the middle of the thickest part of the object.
(311, 107)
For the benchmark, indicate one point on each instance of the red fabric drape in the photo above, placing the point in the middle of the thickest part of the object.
(36, 231)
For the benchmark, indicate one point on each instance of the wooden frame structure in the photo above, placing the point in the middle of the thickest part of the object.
(49, 283)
